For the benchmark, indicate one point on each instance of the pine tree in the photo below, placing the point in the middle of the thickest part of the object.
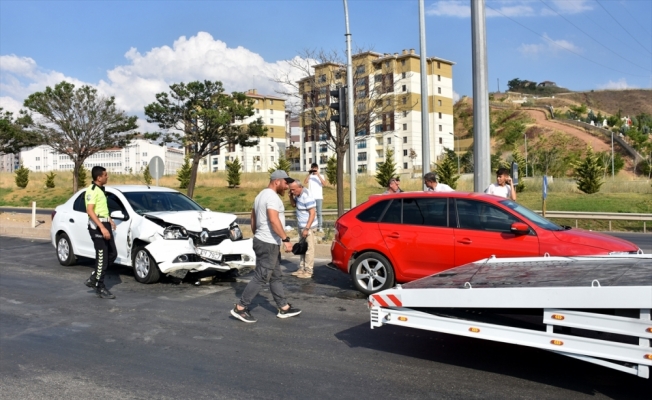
(446, 171)
(331, 170)
(283, 163)
(520, 160)
(183, 175)
(233, 172)
(22, 177)
(49, 180)
(81, 177)
(589, 173)
(147, 177)
(387, 169)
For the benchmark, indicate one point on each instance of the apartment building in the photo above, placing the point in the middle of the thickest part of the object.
(130, 159)
(266, 153)
(387, 97)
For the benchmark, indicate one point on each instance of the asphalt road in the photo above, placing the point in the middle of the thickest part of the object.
(176, 340)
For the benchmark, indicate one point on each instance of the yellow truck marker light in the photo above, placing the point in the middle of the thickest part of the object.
(557, 342)
(558, 317)
(648, 356)
(649, 330)
(474, 330)
(402, 319)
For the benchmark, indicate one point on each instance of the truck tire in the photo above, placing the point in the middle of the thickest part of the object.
(65, 253)
(145, 268)
(372, 272)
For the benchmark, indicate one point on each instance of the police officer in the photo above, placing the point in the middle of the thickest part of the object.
(100, 227)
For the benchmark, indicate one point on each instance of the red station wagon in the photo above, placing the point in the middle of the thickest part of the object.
(406, 236)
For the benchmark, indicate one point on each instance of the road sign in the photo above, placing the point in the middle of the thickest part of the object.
(514, 173)
(156, 168)
(545, 187)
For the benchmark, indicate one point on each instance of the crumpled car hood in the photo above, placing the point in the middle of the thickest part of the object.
(196, 221)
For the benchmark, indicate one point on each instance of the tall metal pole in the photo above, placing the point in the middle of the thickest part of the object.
(612, 155)
(525, 136)
(425, 133)
(481, 143)
(349, 101)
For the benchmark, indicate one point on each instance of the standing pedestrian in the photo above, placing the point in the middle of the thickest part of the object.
(503, 186)
(315, 183)
(430, 179)
(392, 187)
(268, 226)
(100, 227)
(301, 199)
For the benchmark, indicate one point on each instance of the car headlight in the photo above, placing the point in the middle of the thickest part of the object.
(175, 233)
(234, 232)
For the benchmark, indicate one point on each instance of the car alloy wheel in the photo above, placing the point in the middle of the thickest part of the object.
(371, 273)
(64, 251)
(142, 264)
(145, 268)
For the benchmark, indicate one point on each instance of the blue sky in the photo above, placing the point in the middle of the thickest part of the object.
(134, 49)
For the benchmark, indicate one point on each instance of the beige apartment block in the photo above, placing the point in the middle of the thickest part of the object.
(387, 97)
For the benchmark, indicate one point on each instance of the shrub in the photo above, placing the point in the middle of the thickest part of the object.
(387, 169)
(233, 172)
(22, 177)
(49, 180)
(331, 170)
(589, 173)
(82, 175)
(183, 175)
(446, 171)
(147, 177)
(283, 164)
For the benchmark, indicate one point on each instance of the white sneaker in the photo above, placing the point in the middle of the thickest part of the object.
(320, 230)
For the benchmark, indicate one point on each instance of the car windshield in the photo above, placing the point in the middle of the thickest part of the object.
(144, 202)
(532, 216)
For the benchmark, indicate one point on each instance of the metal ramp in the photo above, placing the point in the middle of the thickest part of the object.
(596, 309)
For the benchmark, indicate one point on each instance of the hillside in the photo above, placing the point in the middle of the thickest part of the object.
(629, 102)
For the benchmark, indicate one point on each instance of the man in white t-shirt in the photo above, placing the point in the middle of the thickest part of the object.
(503, 186)
(315, 184)
(430, 180)
(268, 226)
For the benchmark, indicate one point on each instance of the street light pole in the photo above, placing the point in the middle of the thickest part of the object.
(612, 155)
(525, 136)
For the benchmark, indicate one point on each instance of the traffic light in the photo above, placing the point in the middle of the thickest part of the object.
(340, 106)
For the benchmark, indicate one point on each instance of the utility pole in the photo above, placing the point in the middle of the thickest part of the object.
(425, 133)
(481, 144)
(612, 155)
(351, 115)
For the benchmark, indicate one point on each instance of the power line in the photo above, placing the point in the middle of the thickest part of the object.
(591, 37)
(633, 17)
(564, 47)
(598, 1)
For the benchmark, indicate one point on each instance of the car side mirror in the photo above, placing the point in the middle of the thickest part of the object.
(519, 228)
(118, 215)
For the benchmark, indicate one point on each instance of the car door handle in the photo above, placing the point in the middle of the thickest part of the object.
(394, 235)
(72, 220)
(465, 241)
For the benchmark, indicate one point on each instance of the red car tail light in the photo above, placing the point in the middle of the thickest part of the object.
(340, 230)
(53, 214)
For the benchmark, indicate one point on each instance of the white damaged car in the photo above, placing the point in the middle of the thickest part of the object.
(158, 231)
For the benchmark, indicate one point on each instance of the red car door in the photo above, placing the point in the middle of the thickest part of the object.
(484, 230)
(417, 235)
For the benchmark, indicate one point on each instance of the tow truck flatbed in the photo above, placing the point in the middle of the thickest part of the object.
(593, 308)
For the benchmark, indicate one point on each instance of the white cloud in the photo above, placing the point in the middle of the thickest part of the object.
(135, 83)
(618, 85)
(548, 47)
(507, 8)
(456, 97)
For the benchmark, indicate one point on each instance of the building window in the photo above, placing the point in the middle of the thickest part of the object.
(271, 111)
(404, 139)
(441, 141)
(257, 111)
(310, 160)
(439, 103)
(405, 165)
(271, 102)
(362, 156)
(214, 161)
(405, 88)
(271, 130)
(440, 131)
(271, 120)
(389, 140)
(405, 113)
(38, 167)
(257, 148)
(403, 75)
(438, 65)
(144, 154)
(404, 153)
(439, 90)
(38, 158)
(439, 115)
(405, 128)
(362, 145)
(402, 62)
(359, 69)
(272, 158)
(272, 139)
(439, 78)
(386, 64)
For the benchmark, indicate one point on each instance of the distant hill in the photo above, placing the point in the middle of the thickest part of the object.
(630, 102)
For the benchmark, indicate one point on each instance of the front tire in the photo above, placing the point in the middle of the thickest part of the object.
(372, 272)
(145, 268)
(65, 253)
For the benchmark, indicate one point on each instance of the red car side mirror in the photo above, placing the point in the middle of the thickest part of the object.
(520, 228)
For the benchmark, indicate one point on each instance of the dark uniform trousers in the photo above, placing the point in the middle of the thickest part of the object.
(105, 252)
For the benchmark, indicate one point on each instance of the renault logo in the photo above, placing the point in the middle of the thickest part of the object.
(203, 237)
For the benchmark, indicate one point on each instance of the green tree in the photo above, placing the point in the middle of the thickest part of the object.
(183, 175)
(147, 177)
(78, 122)
(82, 176)
(282, 163)
(514, 84)
(331, 170)
(49, 180)
(446, 170)
(14, 135)
(202, 117)
(22, 177)
(386, 170)
(520, 160)
(589, 173)
(233, 172)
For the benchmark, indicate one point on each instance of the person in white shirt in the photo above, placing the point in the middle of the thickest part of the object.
(315, 184)
(430, 179)
(503, 186)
